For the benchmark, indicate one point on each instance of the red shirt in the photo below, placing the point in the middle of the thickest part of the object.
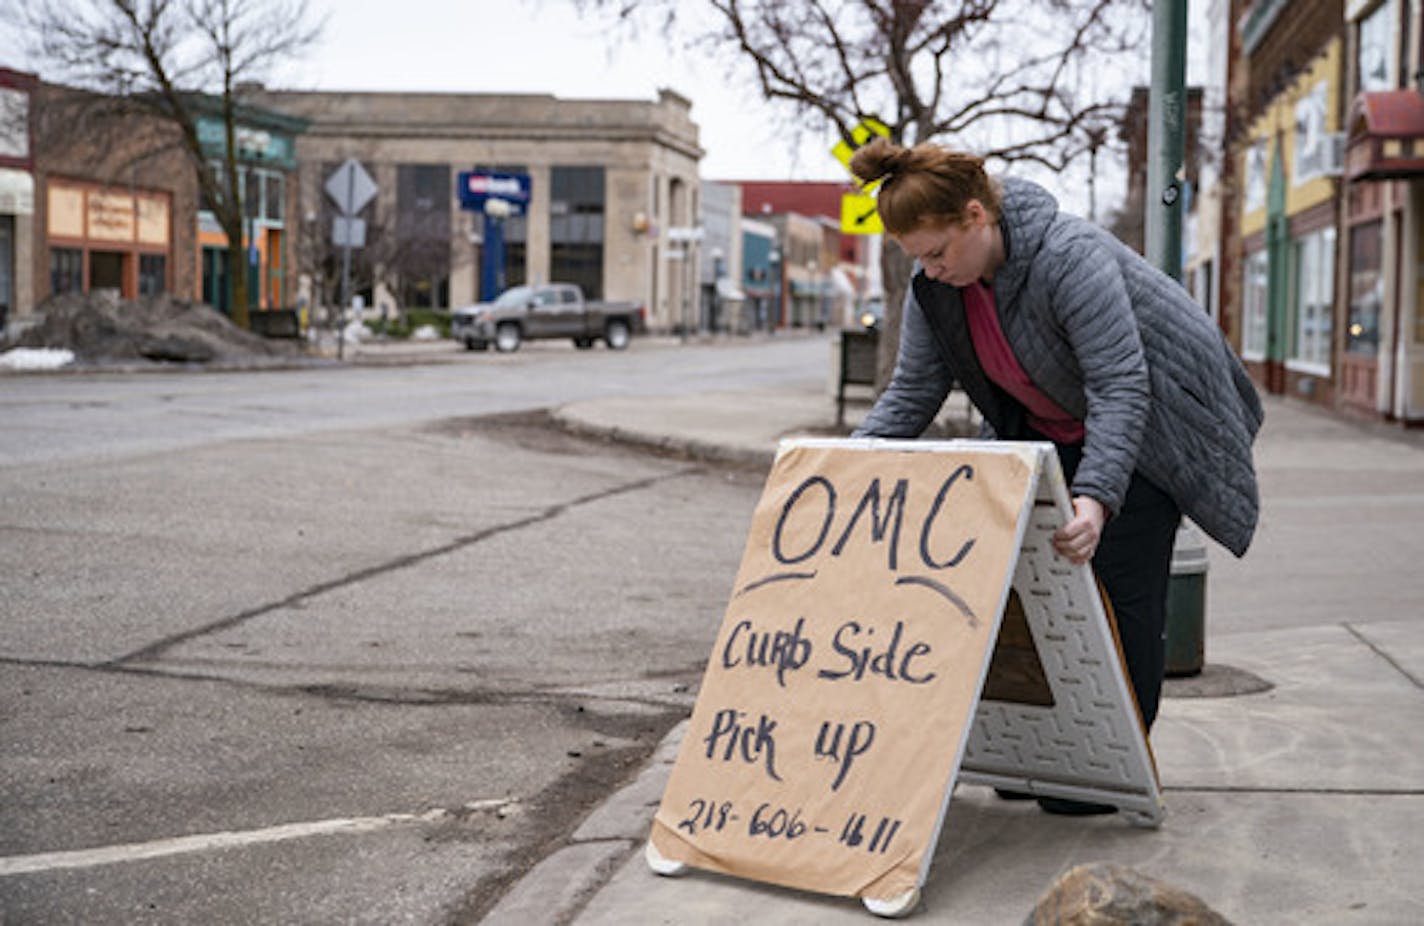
(1002, 367)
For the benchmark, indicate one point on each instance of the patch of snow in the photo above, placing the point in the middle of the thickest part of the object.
(36, 358)
(355, 332)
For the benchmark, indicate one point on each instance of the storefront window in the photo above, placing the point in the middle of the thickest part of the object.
(516, 236)
(422, 254)
(1375, 54)
(1253, 307)
(1366, 289)
(1313, 144)
(1256, 176)
(272, 209)
(1313, 300)
(205, 203)
(66, 270)
(576, 227)
(152, 274)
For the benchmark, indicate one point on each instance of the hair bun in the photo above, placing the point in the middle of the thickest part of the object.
(878, 159)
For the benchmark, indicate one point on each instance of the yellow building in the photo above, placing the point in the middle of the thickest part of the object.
(1289, 210)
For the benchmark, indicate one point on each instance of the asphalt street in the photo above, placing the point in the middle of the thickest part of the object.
(341, 644)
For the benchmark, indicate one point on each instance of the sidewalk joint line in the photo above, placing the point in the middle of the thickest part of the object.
(1358, 635)
(1361, 792)
(156, 650)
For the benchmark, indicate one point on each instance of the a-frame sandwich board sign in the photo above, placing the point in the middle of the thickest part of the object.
(865, 665)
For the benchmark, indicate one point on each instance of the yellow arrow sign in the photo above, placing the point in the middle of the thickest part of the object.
(861, 134)
(859, 216)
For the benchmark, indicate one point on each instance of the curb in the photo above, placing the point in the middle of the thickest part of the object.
(561, 885)
(695, 448)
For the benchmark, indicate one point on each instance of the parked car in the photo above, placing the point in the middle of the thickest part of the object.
(551, 310)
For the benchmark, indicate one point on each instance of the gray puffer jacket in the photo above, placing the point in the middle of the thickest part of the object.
(1114, 342)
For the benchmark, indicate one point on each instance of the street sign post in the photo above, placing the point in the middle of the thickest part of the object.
(351, 188)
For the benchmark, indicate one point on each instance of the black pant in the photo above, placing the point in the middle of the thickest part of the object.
(1134, 562)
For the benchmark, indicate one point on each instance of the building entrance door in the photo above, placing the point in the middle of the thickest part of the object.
(1359, 363)
(215, 289)
(7, 269)
(106, 271)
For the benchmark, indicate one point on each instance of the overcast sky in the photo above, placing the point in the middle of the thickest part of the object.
(545, 46)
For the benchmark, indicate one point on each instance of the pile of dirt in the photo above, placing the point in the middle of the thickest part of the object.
(101, 328)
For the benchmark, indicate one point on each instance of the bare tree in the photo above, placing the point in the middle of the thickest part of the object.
(178, 59)
(1008, 79)
(396, 250)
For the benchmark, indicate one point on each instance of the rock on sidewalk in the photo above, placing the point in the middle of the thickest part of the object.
(1110, 895)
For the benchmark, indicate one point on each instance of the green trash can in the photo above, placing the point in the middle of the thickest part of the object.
(1186, 604)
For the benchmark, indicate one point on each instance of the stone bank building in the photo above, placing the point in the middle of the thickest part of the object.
(611, 184)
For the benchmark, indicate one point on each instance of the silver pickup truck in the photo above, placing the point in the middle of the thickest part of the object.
(552, 310)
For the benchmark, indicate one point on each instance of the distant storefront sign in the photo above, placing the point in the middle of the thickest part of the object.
(476, 189)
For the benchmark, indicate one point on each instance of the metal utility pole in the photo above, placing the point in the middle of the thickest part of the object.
(351, 188)
(1166, 134)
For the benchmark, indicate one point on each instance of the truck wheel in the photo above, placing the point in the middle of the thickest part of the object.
(616, 334)
(475, 344)
(583, 343)
(507, 338)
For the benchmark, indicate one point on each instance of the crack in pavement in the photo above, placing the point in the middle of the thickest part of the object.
(365, 694)
(155, 651)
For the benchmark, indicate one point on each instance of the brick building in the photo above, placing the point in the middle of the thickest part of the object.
(1320, 195)
(825, 275)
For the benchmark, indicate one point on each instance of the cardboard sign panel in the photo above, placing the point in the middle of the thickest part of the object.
(837, 700)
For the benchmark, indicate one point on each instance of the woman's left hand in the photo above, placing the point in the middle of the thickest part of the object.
(1078, 539)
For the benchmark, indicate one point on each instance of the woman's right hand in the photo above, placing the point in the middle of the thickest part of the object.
(1078, 539)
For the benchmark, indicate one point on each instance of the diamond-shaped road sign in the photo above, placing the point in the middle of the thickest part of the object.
(350, 187)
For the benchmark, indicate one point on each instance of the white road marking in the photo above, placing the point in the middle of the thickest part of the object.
(208, 842)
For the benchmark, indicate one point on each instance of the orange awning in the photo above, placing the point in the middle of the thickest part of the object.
(1386, 136)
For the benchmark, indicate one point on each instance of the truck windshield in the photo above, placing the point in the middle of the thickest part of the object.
(517, 297)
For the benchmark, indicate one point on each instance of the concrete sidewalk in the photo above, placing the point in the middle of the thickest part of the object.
(1299, 804)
